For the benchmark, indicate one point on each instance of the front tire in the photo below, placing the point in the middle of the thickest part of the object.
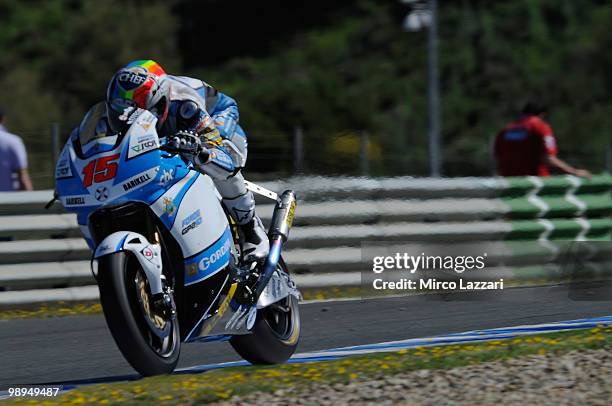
(150, 343)
(274, 336)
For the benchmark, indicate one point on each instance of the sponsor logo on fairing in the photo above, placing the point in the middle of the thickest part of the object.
(166, 177)
(75, 201)
(209, 261)
(192, 221)
(144, 144)
(169, 206)
(101, 194)
(63, 172)
(218, 255)
(148, 253)
(63, 169)
(147, 137)
(147, 145)
(136, 182)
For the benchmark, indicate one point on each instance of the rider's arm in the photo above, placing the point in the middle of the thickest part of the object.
(224, 112)
(220, 162)
(210, 128)
(225, 115)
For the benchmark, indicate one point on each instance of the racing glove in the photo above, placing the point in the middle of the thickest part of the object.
(191, 147)
(207, 152)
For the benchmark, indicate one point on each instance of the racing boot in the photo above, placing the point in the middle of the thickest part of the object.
(255, 244)
(255, 248)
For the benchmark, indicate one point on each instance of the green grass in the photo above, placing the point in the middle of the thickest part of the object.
(194, 389)
(53, 309)
(57, 309)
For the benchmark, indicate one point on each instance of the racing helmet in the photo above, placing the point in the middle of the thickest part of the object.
(140, 84)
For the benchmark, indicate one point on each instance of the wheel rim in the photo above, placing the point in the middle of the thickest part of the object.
(160, 334)
(281, 318)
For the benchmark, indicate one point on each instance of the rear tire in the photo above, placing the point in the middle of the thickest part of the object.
(275, 335)
(135, 336)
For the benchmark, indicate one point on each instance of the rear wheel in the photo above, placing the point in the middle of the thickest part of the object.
(275, 335)
(149, 341)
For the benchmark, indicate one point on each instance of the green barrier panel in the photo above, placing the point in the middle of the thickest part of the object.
(520, 208)
(525, 230)
(597, 205)
(600, 228)
(516, 187)
(555, 185)
(559, 206)
(559, 229)
(598, 184)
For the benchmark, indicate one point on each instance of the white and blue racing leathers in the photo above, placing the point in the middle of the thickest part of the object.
(197, 107)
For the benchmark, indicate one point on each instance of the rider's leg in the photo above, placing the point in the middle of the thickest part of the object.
(241, 205)
(240, 201)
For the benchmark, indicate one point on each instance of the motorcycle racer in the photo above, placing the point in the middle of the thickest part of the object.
(191, 111)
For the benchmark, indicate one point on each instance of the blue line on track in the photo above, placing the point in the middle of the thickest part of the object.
(337, 353)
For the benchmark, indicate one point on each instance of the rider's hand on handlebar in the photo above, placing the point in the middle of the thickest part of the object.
(189, 145)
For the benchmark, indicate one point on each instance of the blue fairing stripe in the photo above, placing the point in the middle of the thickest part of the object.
(120, 245)
(209, 261)
(154, 197)
(90, 243)
(98, 149)
(168, 220)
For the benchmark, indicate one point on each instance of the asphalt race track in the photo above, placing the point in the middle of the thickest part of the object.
(80, 348)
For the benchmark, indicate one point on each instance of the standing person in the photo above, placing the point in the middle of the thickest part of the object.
(527, 147)
(13, 160)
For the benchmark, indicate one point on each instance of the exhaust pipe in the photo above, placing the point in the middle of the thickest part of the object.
(282, 220)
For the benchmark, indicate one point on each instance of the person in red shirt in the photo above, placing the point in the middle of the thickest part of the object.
(527, 147)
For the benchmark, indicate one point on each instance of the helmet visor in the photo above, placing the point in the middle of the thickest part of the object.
(116, 118)
(120, 104)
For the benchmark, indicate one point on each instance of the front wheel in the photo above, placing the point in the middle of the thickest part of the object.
(275, 334)
(147, 340)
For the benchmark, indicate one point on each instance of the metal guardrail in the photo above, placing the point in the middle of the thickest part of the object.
(47, 259)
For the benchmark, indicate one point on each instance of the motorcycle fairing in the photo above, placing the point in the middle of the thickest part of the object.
(192, 212)
(209, 261)
(148, 255)
(115, 181)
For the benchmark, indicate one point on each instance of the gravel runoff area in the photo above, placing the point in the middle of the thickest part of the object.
(580, 377)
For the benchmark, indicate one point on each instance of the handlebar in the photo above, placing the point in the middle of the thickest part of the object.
(194, 151)
(174, 150)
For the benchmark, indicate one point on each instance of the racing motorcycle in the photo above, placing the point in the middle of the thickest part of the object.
(166, 253)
